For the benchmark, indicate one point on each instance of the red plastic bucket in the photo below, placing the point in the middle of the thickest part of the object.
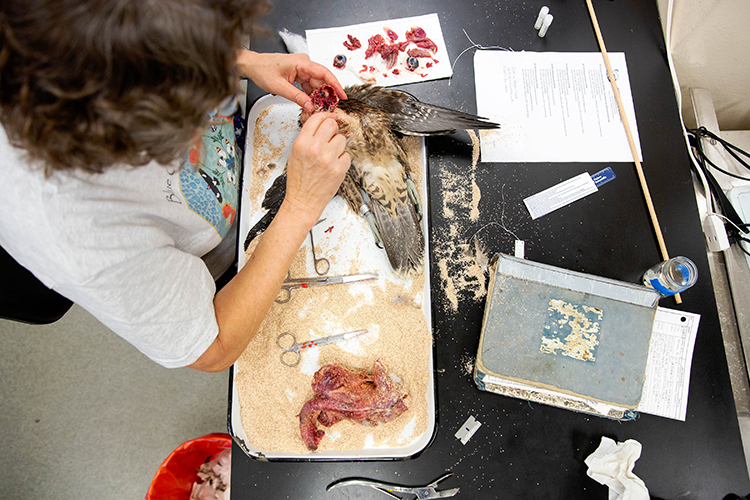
(175, 477)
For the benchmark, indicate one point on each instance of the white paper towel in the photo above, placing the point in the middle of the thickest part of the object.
(612, 464)
(326, 43)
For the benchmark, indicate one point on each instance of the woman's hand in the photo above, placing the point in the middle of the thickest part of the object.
(316, 166)
(276, 74)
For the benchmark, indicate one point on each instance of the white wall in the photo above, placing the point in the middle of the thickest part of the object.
(711, 49)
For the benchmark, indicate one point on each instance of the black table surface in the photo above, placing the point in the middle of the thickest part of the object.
(525, 450)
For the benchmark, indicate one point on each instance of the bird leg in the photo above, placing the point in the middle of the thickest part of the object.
(411, 189)
(365, 211)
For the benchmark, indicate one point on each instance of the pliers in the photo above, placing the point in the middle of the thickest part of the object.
(422, 492)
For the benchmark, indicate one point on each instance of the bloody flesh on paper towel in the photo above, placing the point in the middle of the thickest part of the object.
(377, 44)
(352, 43)
(419, 53)
(419, 37)
(341, 394)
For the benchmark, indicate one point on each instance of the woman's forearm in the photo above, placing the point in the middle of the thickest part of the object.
(243, 303)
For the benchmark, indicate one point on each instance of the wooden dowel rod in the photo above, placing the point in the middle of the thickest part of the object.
(631, 141)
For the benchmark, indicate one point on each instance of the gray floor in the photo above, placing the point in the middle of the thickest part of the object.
(83, 415)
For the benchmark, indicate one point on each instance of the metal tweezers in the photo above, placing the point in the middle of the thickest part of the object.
(422, 492)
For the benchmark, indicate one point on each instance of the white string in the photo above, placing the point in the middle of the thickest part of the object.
(501, 223)
(473, 46)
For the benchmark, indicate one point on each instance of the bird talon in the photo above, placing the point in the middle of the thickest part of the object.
(411, 189)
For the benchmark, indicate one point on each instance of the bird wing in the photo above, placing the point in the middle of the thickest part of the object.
(349, 191)
(419, 118)
(271, 202)
(402, 237)
(398, 227)
(410, 116)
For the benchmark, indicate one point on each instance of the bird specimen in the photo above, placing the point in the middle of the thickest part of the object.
(378, 184)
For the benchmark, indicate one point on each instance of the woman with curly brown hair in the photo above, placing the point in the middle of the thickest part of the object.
(117, 156)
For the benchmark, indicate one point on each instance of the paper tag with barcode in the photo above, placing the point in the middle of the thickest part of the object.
(560, 195)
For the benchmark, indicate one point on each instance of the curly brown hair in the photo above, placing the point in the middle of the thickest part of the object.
(92, 83)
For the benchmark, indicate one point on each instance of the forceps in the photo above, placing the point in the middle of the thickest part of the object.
(322, 260)
(292, 283)
(422, 492)
(296, 348)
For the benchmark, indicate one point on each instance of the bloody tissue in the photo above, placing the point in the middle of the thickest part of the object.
(352, 43)
(418, 36)
(324, 98)
(341, 394)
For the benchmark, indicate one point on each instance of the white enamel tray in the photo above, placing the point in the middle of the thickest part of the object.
(281, 116)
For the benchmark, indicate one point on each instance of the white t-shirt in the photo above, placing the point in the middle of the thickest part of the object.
(127, 244)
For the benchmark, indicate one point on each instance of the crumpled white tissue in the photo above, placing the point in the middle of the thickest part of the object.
(295, 44)
(612, 464)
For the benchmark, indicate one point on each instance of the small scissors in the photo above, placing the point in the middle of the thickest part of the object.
(296, 348)
(290, 283)
(322, 260)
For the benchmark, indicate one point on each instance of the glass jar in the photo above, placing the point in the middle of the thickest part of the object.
(671, 276)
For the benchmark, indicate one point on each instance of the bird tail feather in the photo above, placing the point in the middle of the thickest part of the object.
(402, 237)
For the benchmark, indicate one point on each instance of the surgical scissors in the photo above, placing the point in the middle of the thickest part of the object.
(315, 259)
(292, 283)
(296, 348)
(422, 492)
